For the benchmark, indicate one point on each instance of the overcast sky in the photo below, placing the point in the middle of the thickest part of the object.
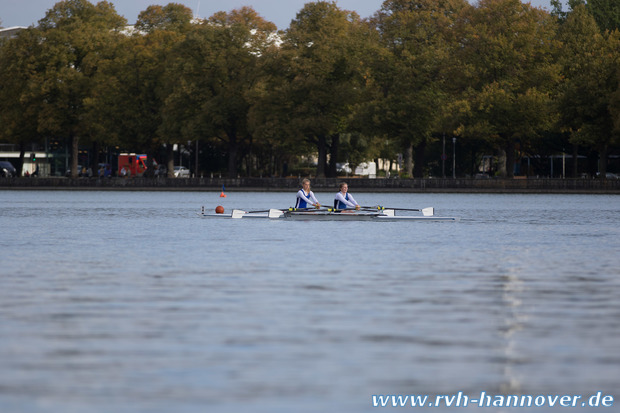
(280, 12)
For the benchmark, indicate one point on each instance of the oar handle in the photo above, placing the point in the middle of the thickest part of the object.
(280, 209)
(361, 208)
(379, 207)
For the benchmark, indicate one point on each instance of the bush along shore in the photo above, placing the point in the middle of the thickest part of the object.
(531, 185)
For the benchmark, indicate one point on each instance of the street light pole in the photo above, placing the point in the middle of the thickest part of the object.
(453, 158)
(563, 164)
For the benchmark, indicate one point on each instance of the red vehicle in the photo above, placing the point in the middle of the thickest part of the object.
(131, 164)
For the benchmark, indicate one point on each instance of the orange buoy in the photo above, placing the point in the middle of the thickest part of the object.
(222, 195)
(219, 209)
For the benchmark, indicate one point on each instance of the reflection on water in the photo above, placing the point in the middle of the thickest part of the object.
(128, 301)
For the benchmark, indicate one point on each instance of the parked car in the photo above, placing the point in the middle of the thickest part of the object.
(608, 175)
(7, 169)
(181, 172)
(343, 168)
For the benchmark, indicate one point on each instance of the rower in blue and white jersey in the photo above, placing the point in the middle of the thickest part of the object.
(305, 197)
(343, 199)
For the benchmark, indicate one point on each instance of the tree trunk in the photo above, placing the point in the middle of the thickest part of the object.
(510, 158)
(170, 160)
(322, 161)
(249, 159)
(75, 149)
(409, 160)
(20, 162)
(333, 156)
(501, 162)
(418, 165)
(232, 156)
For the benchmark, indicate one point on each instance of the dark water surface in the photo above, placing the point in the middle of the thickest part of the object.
(130, 302)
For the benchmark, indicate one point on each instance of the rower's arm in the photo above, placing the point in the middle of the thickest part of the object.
(310, 199)
(314, 201)
(350, 203)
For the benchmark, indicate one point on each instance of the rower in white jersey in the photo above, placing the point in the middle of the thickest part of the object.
(343, 199)
(305, 197)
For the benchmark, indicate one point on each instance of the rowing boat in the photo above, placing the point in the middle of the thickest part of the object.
(328, 215)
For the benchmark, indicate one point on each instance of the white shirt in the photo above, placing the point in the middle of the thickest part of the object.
(309, 199)
(351, 203)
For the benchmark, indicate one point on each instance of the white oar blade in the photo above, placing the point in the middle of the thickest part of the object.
(275, 213)
(428, 212)
(237, 213)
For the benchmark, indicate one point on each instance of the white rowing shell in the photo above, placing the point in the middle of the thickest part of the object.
(385, 215)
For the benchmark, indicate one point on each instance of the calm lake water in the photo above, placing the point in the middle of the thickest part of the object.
(130, 302)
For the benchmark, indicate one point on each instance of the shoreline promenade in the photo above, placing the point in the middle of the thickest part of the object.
(430, 185)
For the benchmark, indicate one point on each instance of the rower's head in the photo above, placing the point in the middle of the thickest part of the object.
(305, 183)
(344, 187)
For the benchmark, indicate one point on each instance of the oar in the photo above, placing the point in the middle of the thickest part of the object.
(274, 209)
(350, 209)
(272, 213)
(275, 213)
(278, 213)
(427, 212)
(237, 213)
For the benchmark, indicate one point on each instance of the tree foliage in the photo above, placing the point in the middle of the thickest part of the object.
(172, 17)
(499, 74)
(19, 96)
(215, 71)
(511, 73)
(590, 63)
(324, 49)
(413, 74)
(76, 37)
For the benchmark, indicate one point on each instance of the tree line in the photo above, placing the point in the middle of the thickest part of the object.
(501, 76)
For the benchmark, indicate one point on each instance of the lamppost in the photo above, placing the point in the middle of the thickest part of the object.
(454, 158)
(563, 164)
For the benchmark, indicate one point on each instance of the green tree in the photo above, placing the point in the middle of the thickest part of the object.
(590, 62)
(215, 70)
(606, 13)
(324, 50)
(268, 120)
(19, 96)
(413, 74)
(508, 64)
(76, 36)
(172, 17)
(132, 89)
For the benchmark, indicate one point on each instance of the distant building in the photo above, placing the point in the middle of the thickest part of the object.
(10, 32)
